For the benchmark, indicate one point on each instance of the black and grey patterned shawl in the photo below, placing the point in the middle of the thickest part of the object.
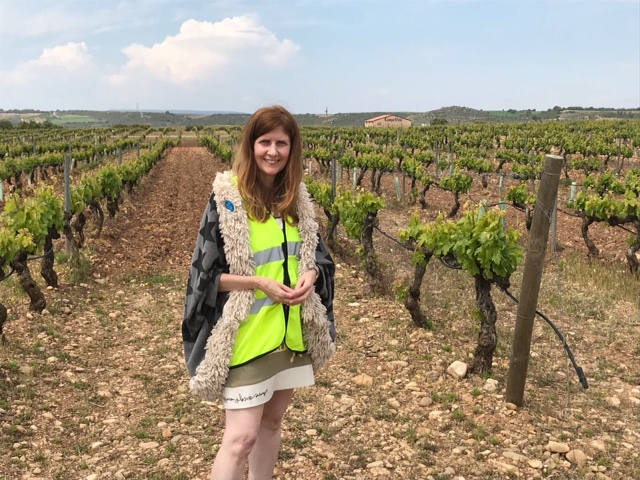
(204, 304)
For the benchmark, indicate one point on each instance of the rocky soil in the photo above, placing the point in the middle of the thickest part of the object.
(95, 387)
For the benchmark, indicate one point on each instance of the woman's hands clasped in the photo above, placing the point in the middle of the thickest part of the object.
(280, 293)
(304, 288)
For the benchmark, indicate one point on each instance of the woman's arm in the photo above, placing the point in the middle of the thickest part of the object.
(277, 291)
(230, 282)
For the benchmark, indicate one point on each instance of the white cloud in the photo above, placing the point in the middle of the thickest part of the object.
(201, 50)
(54, 61)
(70, 56)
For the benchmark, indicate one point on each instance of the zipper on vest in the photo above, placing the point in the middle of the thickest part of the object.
(287, 282)
(287, 278)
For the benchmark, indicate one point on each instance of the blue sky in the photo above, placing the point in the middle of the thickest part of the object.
(312, 55)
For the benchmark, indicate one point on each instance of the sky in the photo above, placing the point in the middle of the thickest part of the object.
(317, 56)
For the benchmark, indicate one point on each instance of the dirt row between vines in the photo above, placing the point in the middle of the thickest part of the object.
(96, 388)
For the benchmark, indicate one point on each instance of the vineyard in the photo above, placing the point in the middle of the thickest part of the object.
(429, 226)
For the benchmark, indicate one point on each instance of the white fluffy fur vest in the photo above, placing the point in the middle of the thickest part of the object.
(212, 372)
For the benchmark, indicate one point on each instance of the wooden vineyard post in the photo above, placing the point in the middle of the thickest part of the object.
(534, 263)
(334, 178)
(554, 227)
(533, 169)
(67, 196)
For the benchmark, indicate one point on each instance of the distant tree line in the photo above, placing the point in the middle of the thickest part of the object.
(608, 109)
(7, 125)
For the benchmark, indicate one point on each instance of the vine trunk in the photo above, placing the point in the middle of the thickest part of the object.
(19, 263)
(488, 338)
(412, 300)
(371, 264)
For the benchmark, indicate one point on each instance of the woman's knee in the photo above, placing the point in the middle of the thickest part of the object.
(271, 421)
(274, 410)
(240, 444)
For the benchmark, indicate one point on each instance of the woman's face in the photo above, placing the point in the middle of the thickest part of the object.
(271, 153)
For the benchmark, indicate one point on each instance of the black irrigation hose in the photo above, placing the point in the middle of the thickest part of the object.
(13, 270)
(569, 214)
(31, 259)
(580, 216)
(491, 205)
(627, 229)
(403, 245)
(578, 369)
(452, 266)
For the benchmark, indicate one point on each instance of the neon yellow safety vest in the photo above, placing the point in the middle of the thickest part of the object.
(275, 254)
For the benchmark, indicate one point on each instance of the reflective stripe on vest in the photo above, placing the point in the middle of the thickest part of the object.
(266, 328)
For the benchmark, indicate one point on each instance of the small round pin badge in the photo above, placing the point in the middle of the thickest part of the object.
(228, 204)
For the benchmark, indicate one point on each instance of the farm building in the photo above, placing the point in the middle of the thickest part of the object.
(388, 120)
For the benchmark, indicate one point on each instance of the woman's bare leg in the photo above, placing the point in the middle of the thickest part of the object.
(240, 433)
(264, 454)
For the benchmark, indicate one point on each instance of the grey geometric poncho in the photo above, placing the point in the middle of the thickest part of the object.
(223, 247)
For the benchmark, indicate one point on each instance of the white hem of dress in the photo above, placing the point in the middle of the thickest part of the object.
(260, 393)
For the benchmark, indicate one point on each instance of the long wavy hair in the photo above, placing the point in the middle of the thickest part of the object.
(284, 194)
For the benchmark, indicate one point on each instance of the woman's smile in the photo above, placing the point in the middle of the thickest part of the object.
(271, 152)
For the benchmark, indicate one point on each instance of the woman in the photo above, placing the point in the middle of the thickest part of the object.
(258, 316)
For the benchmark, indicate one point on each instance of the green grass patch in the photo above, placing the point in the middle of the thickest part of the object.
(147, 422)
(71, 118)
(79, 269)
